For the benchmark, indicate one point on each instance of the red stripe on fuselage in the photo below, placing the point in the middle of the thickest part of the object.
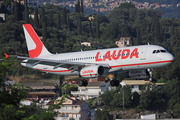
(168, 61)
(54, 70)
(142, 63)
(37, 51)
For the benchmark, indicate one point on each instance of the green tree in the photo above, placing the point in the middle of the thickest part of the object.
(118, 98)
(68, 88)
(79, 27)
(97, 29)
(36, 18)
(78, 7)
(90, 29)
(107, 97)
(16, 10)
(26, 13)
(151, 98)
(68, 23)
(58, 21)
(98, 115)
(42, 16)
(51, 19)
(82, 9)
(105, 114)
(44, 31)
(138, 37)
(64, 16)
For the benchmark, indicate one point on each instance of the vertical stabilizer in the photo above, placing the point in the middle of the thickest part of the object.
(35, 46)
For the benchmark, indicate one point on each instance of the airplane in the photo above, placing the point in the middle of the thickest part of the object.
(138, 60)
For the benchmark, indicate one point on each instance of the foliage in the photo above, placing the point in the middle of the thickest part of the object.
(101, 114)
(10, 107)
(107, 97)
(67, 88)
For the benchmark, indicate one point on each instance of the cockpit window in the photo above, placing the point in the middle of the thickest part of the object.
(158, 51)
(154, 51)
(163, 51)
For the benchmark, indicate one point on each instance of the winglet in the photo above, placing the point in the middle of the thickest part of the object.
(6, 55)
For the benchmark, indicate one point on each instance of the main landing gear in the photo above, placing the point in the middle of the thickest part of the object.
(150, 74)
(83, 82)
(114, 82)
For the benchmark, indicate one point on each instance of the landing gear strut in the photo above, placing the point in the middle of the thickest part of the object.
(83, 82)
(150, 74)
(114, 82)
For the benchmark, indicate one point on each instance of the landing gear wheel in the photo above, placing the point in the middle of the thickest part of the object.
(80, 83)
(83, 83)
(114, 83)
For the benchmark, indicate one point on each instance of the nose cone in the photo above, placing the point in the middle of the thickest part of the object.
(171, 57)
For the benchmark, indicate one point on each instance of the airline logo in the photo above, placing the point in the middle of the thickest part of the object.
(115, 55)
(29, 31)
(87, 71)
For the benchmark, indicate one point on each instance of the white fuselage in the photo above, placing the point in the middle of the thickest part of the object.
(118, 59)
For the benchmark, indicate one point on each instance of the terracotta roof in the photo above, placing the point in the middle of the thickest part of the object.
(78, 102)
(42, 93)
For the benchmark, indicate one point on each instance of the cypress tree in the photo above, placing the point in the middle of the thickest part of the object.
(82, 9)
(26, 13)
(36, 19)
(58, 21)
(42, 16)
(78, 6)
(50, 20)
(15, 10)
(97, 28)
(68, 23)
(138, 37)
(64, 16)
(20, 15)
(90, 29)
(79, 27)
(44, 31)
(31, 20)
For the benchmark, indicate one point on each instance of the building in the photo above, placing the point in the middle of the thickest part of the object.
(31, 3)
(124, 41)
(45, 92)
(3, 16)
(137, 85)
(73, 108)
(93, 89)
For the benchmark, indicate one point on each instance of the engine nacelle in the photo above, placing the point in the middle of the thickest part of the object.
(139, 74)
(92, 71)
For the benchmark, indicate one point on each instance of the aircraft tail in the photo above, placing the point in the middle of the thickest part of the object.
(35, 46)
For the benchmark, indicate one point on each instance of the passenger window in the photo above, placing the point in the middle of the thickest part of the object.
(154, 51)
(163, 51)
(158, 51)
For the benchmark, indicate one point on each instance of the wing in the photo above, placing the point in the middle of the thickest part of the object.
(74, 66)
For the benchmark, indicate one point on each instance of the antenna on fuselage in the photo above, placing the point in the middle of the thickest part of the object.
(148, 43)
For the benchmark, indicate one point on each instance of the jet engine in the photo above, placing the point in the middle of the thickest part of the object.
(92, 71)
(139, 74)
